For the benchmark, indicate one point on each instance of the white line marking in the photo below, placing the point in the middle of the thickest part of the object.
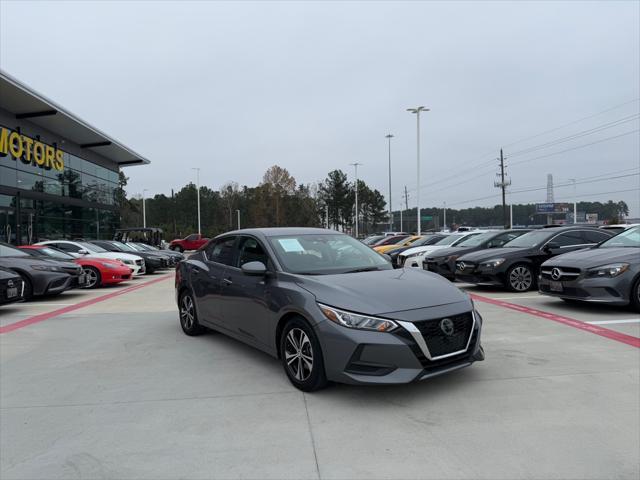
(609, 322)
(516, 297)
(37, 304)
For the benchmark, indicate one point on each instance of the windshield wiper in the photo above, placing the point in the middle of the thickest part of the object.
(365, 269)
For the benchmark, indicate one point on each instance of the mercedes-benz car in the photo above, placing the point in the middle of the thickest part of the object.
(606, 273)
(443, 261)
(11, 286)
(413, 257)
(329, 307)
(516, 265)
(152, 261)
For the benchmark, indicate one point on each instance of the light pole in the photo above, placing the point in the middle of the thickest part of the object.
(389, 137)
(417, 111)
(355, 165)
(238, 212)
(575, 203)
(144, 210)
(198, 191)
(444, 223)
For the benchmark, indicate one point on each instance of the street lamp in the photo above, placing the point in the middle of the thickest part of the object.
(417, 111)
(389, 137)
(238, 212)
(144, 210)
(198, 188)
(575, 203)
(355, 165)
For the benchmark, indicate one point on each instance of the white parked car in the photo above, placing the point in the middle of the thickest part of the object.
(86, 249)
(414, 256)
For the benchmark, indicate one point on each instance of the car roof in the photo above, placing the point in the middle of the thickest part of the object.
(279, 231)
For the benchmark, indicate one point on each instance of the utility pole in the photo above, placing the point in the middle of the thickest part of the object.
(503, 184)
(417, 111)
(575, 202)
(406, 205)
(355, 165)
(238, 211)
(198, 187)
(144, 210)
(326, 216)
(389, 137)
(444, 223)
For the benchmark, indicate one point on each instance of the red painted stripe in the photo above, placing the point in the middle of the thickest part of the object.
(595, 329)
(46, 316)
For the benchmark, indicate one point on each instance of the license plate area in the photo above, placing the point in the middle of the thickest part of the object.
(555, 286)
(12, 292)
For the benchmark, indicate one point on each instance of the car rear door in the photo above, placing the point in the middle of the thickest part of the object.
(206, 277)
(245, 298)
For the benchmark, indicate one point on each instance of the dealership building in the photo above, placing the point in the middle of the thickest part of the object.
(58, 174)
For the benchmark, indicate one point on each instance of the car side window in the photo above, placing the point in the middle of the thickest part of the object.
(250, 250)
(594, 236)
(221, 251)
(568, 239)
(191, 238)
(68, 247)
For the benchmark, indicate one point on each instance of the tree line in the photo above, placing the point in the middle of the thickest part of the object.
(280, 201)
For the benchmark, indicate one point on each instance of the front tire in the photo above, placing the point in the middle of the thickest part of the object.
(189, 316)
(520, 278)
(94, 279)
(301, 356)
(635, 295)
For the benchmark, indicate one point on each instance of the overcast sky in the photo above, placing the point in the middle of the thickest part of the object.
(236, 87)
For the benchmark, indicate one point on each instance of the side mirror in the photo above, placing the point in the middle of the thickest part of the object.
(254, 268)
(551, 246)
(82, 251)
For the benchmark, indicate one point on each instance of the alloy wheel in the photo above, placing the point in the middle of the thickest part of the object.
(521, 279)
(187, 313)
(92, 277)
(298, 354)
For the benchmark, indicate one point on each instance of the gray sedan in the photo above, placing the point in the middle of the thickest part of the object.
(328, 306)
(608, 273)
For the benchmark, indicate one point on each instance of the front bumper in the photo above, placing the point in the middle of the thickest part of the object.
(116, 275)
(374, 358)
(614, 291)
(413, 262)
(441, 267)
(56, 283)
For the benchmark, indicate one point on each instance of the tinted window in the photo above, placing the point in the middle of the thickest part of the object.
(67, 247)
(500, 240)
(594, 236)
(530, 239)
(567, 239)
(9, 251)
(221, 251)
(251, 251)
(191, 238)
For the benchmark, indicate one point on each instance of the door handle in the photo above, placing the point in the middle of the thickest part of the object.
(227, 281)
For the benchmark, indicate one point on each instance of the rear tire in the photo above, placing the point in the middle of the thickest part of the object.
(94, 278)
(301, 356)
(635, 295)
(188, 315)
(520, 278)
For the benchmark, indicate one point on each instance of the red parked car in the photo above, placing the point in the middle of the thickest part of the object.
(100, 271)
(192, 242)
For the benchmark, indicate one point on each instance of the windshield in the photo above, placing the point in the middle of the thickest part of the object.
(9, 251)
(449, 240)
(475, 240)
(324, 254)
(123, 246)
(55, 253)
(90, 247)
(530, 240)
(628, 238)
(137, 248)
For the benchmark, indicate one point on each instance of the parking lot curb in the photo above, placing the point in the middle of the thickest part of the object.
(595, 329)
(46, 316)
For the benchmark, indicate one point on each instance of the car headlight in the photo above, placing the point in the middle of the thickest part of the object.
(47, 268)
(357, 321)
(415, 254)
(107, 265)
(493, 263)
(126, 261)
(608, 271)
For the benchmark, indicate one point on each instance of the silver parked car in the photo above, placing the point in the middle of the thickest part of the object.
(607, 273)
(329, 307)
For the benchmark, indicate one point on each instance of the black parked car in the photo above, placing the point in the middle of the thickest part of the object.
(153, 261)
(41, 277)
(516, 266)
(173, 256)
(11, 286)
(426, 240)
(443, 262)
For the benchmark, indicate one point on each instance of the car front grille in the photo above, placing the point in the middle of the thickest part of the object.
(442, 341)
(465, 267)
(560, 273)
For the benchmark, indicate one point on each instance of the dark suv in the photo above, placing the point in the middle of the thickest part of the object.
(516, 266)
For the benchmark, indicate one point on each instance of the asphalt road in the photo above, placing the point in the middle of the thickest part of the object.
(115, 390)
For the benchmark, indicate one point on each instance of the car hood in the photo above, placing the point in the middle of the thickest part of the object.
(26, 262)
(425, 250)
(383, 291)
(445, 252)
(488, 253)
(595, 257)
(113, 255)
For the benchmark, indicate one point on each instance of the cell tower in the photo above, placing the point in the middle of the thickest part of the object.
(549, 188)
